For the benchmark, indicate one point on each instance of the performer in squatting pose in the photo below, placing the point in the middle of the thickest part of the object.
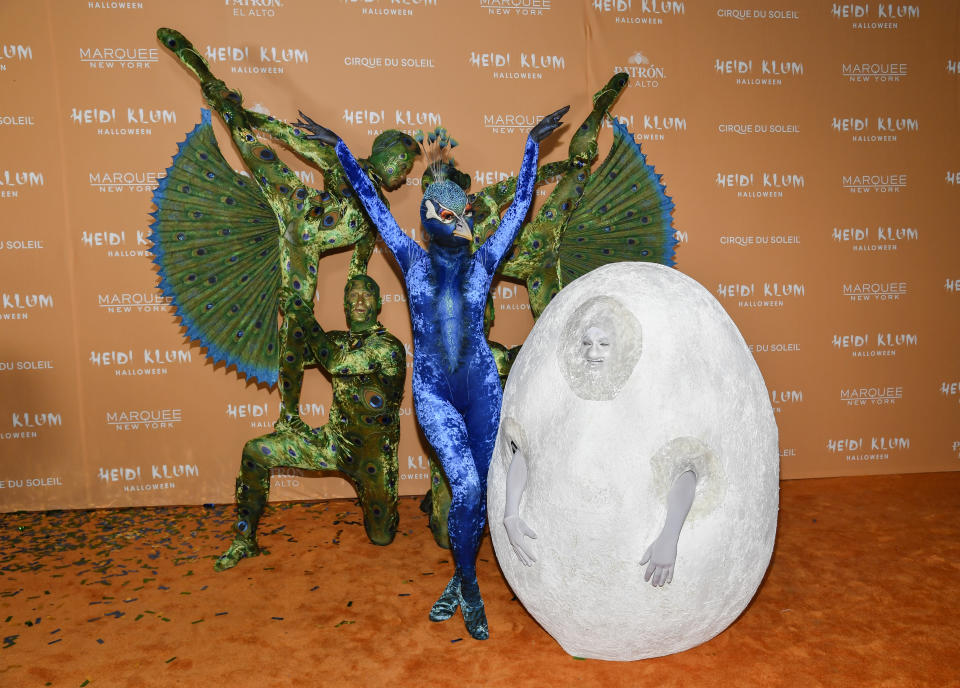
(456, 389)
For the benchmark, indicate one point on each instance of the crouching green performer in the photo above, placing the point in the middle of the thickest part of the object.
(367, 365)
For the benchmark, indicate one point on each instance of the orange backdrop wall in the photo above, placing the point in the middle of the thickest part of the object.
(811, 148)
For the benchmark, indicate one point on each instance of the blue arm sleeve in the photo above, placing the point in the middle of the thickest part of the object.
(495, 248)
(403, 247)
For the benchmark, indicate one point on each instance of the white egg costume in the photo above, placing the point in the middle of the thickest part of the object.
(602, 457)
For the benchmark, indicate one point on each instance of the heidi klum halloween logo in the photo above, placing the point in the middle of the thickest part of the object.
(123, 243)
(122, 121)
(21, 305)
(257, 59)
(875, 15)
(876, 128)
(875, 344)
(405, 119)
(651, 12)
(261, 416)
(761, 185)
(151, 362)
(15, 182)
(761, 295)
(762, 71)
(28, 425)
(871, 448)
(389, 8)
(875, 238)
(122, 57)
(517, 65)
(13, 53)
(651, 126)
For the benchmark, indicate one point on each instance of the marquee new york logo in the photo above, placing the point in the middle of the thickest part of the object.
(126, 420)
(128, 58)
(517, 8)
(122, 181)
(137, 302)
(874, 291)
(890, 182)
(874, 395)
(874, 72)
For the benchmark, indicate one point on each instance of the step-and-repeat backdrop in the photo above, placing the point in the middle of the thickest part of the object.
(811, 148)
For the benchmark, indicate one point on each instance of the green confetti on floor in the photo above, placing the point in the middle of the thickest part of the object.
(170, 660)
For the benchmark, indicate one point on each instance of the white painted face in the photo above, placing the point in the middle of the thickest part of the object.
(599, 348)
(596, 346)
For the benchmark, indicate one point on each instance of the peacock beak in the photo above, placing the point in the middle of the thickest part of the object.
(463, 230)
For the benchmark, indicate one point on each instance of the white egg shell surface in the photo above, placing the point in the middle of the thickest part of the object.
(599, 472)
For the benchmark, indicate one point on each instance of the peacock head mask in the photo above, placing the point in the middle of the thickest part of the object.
(446, 214)
(392, 157)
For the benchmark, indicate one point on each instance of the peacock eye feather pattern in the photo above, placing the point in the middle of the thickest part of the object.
(215, 244)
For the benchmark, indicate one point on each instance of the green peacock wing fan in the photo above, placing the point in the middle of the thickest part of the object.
(217, 244)
(624, 214)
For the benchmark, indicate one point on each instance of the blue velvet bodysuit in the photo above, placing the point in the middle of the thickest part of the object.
(456, 389)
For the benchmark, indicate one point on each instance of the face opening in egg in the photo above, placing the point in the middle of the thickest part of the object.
(599, 347)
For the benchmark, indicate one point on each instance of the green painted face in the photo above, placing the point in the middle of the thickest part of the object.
(393, 156)
(361, 302)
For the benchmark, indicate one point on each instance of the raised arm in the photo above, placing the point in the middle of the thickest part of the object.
(496, 247)
(404, 248)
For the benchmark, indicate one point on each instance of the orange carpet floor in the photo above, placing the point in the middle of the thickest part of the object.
(863, 590)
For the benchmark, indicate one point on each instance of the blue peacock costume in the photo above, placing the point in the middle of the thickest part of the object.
(456, 386)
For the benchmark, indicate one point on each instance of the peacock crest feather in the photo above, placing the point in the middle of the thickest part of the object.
(217, 245)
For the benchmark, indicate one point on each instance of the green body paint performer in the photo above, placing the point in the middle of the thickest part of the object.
(368, 367)
(234, 251)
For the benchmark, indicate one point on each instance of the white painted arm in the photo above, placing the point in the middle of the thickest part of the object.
(515, 526)
(662, 553)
